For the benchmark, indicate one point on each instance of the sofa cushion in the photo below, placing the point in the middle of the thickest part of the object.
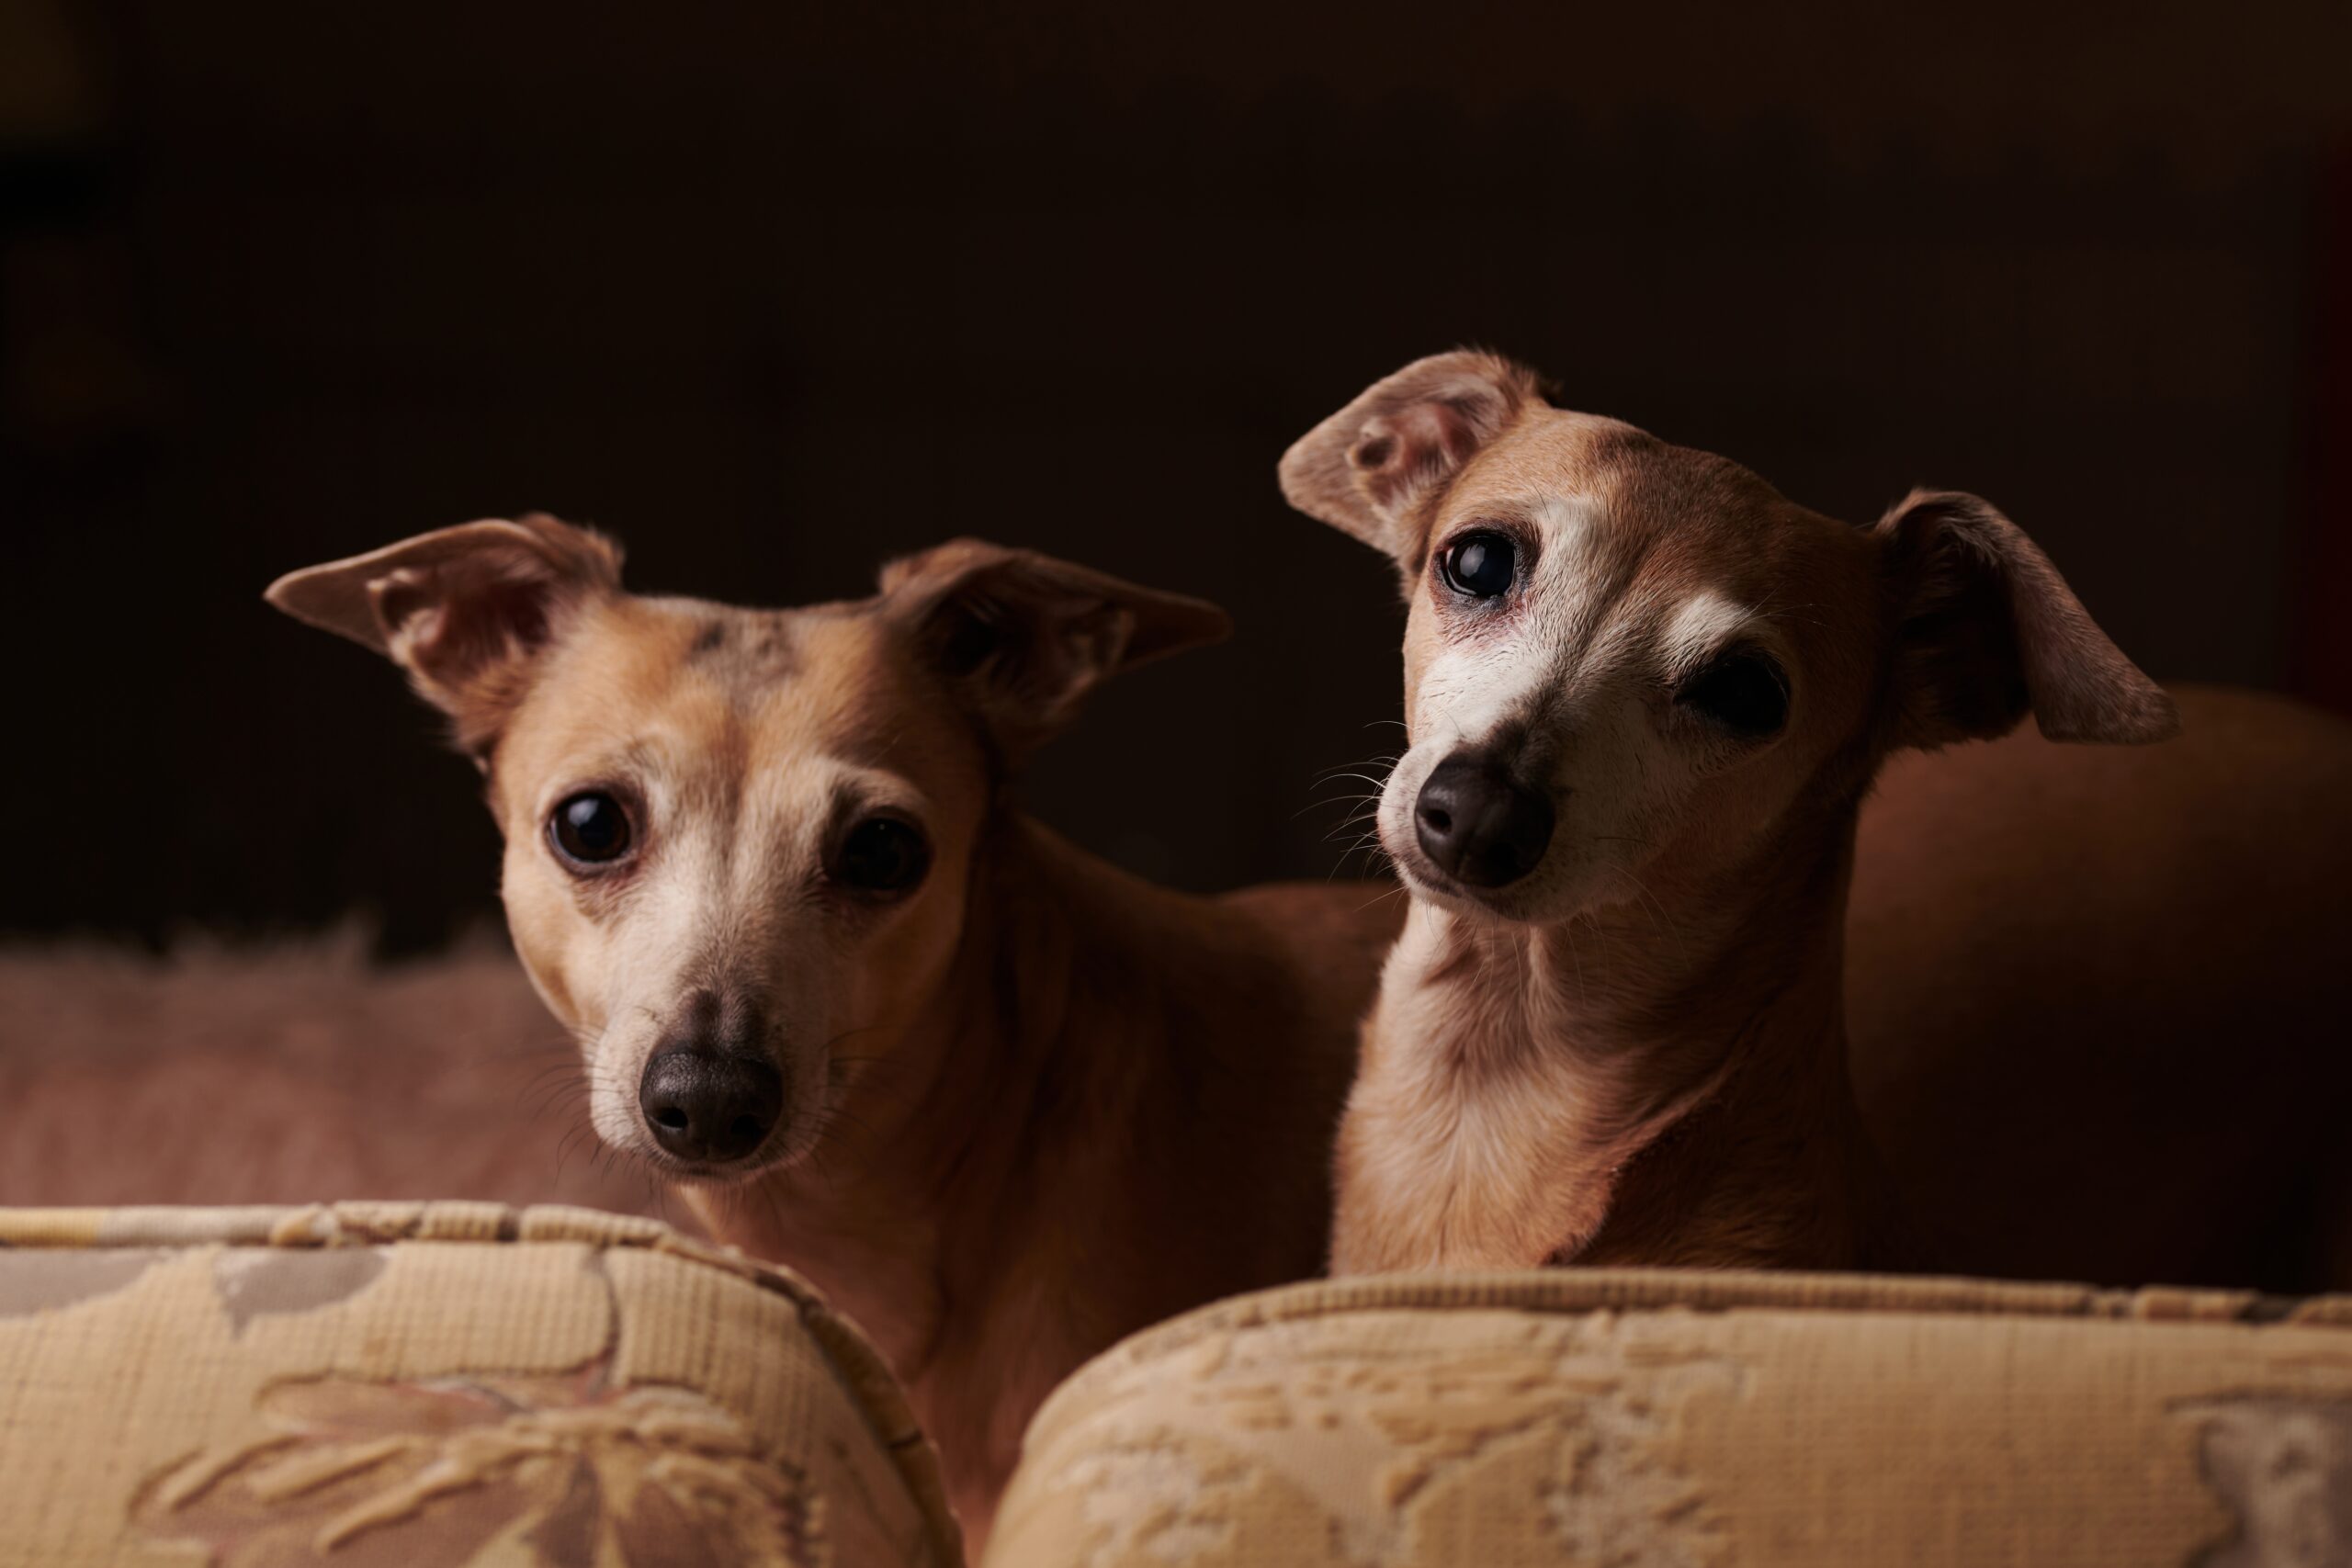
(455, 1383)
(1632, 1416)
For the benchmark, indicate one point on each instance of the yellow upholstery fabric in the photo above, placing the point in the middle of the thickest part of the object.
(1688, 1419)
(438, 1383)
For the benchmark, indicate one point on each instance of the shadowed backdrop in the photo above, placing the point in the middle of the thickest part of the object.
(773, 295)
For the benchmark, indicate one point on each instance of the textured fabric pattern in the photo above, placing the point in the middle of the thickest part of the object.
(1695, 1419)
(445, 1383)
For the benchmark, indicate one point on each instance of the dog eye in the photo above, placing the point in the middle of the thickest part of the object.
(1482, 564)
(590, 828)
(1743, 691)
(882, 855)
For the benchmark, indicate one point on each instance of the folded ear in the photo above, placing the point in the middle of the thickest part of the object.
(1026, 637)
(1985, 629)
(463, 609)
(1367, 469)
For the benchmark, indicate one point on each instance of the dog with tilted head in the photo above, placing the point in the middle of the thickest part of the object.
(1646, 696)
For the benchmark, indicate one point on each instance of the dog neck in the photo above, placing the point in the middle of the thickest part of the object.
(1660, 1082)
(1057, 1151)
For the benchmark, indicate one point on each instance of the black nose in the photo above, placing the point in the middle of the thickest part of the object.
(708, 1106)
(1478, 826)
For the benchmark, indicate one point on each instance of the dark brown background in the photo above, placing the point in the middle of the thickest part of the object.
(774, 295)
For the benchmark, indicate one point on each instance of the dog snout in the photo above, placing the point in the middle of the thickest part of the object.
(1478, 825)
(709, 1107)
(709, 1092)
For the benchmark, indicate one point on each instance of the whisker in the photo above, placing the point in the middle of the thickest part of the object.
(1352, 822)
(1656, 910)
(1367, 778)
(1385, 759)
(1338, 800)
(1576, 957)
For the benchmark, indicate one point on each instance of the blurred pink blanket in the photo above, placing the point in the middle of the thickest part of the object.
(288, 1073)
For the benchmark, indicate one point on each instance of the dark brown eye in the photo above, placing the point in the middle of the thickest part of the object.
(882, 855)
(590, 829)
(1743, 691)
(1482, 564)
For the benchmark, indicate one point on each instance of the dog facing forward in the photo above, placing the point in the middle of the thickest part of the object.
(1645, 697)
(1001, 1102)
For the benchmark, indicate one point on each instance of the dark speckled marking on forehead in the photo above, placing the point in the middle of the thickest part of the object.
(745, 645)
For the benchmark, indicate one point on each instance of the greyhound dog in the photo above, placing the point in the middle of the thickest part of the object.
(1646, 696)
(999, 1101)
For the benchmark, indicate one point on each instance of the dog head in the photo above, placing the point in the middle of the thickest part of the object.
(1625, 658)
(739, 842)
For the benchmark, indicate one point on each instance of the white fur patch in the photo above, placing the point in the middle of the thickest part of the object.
(1566, 524)
(1702, 623)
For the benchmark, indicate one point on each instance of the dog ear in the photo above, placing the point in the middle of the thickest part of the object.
(1027, 635)
(1985, 630)
(463, 609)
(1366, 470)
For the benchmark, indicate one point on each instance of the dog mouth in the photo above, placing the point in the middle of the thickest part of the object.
(1470, 825)
(1558, 890)
(792, 1143)
(720, 1116)
(1426, 879)
(1505, 904)
(703, 1172)
(711, 1123)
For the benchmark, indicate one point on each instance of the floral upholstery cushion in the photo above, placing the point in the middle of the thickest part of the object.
(1689, 1419)
(461, 1383)
(438, 1383)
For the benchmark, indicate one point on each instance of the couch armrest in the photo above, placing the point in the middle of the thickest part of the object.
(1636, 1416)
(438, 1383)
